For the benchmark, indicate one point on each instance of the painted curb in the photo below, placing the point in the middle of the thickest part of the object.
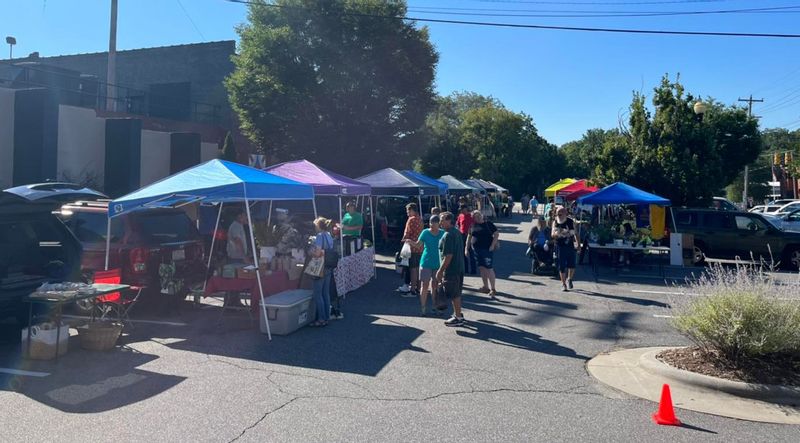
(770, 393)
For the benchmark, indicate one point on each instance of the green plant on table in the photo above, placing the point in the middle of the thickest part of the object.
(741, 314)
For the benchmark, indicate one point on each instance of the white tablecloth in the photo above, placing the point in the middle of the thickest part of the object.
(354, 271)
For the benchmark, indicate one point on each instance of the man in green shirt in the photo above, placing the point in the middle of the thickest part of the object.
(352, 222)
(451, 268)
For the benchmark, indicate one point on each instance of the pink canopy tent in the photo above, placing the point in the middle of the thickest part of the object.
(573, 191)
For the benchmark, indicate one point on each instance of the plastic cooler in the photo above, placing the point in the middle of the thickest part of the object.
(287, 311)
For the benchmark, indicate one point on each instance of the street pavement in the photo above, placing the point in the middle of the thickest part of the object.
(515, 372)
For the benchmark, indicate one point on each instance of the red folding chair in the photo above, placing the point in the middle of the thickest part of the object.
(115, 303)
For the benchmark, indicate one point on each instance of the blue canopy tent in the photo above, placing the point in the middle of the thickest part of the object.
(456, 186)
(215, 181)
(390, 182)
(440, 185)
(622, 194)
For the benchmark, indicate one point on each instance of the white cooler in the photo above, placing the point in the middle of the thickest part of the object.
(287, 311)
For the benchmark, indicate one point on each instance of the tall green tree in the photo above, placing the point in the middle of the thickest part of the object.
(581, 156)
(676, 153)
(323, 80)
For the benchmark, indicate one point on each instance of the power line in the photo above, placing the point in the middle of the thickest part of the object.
(591, 14)
(532, 26)
(191, 21)
(652, 2)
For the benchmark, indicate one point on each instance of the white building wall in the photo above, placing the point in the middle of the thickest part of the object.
(6, 137)
(81, 146)
(155, 156)
(208, 151)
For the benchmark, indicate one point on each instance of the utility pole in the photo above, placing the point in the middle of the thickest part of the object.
(750, 102)
(111, 75)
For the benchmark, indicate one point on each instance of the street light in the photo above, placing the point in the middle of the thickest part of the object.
(700, 109)
(11, 42)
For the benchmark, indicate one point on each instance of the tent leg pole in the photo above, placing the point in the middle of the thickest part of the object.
(258, 271)
(314, 204)
(108, 240)
(419, 199)
(269, 216)
(341, 226)
(213, 240)
(374, 248)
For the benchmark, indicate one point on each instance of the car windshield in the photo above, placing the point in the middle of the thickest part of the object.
(165, 227)
(91, 227)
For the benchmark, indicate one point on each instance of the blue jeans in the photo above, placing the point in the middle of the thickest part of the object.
(322, 296)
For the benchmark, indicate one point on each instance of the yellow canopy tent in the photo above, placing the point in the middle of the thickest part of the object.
(563, 183)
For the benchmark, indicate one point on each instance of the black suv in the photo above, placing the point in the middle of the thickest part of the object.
(35, 247)
(730, 235)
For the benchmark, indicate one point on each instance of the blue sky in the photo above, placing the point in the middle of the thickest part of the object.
(567, 81)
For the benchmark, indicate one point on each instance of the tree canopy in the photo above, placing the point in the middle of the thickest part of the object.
(314, 79)
(472, 135)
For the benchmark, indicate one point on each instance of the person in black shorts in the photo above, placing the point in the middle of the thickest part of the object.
(564, 234)
(483, 238)
(451, 266)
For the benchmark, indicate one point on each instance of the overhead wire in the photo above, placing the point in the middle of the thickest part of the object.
(597, 14)
(536, 26)
(196, 28)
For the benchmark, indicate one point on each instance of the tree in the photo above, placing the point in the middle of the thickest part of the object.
(677, 154)
(473, 135)
(581, 156)
(325, 81)
(228, 149)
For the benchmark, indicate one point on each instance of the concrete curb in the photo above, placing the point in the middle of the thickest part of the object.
(770, 393)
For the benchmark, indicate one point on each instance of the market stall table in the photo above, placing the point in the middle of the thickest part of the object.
(273, 283)
(56, 300)
(594, 248)
(354, 271)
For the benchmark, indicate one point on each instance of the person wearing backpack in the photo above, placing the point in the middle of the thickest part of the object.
(324, 247)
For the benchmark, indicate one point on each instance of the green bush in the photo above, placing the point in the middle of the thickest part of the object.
(741, 314)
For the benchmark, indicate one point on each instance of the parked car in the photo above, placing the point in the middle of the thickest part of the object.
(160, 249)
(764, 209)
(729, 235)
(35, 248)
(788, 207)
(787, 221)
(782, 202)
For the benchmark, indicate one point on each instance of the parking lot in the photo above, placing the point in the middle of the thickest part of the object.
(516, 372)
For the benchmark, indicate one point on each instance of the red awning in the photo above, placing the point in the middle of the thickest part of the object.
(574, 188)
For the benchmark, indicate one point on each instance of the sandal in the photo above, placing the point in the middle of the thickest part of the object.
(484, 290)
(493, 295)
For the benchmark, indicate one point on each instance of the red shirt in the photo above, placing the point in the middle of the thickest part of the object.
(464, 223)
(413, 230)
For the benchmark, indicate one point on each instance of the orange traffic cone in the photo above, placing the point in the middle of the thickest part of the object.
(666, 414)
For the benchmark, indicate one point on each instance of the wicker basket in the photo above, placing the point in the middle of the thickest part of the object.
(100, 336)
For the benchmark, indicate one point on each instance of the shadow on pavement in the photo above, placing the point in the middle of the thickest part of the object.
(506, 335)
(632, 300)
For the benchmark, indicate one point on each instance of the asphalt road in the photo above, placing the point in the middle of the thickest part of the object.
(516, 372)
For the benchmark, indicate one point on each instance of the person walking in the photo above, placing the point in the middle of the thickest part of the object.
(323, 244)
(411, 232)
(451, 267)
(564, 233)
(464, 224)
(484, 238)
(525, 202)
(429, 263)
(534, 206)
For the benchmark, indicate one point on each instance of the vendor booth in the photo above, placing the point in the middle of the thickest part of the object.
(572, 191)
(215, 181)
(486, 206)
(618, 238)
(457, 187)
(555, 187)
(357, 264)
(441, 186)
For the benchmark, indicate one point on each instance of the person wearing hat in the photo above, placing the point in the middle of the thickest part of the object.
(429, 263)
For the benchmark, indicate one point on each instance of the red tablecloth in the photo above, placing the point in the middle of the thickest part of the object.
(272, 284)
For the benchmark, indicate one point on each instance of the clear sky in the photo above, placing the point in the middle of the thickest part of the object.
(567, 81)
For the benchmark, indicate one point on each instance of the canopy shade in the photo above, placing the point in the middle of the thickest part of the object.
(213, 181)
(475, 185)
(456, 186)
(621, 194)
(555, 187)
(488, 187)
(580, 185)
(441, 186)
(498, 187)
(580, 193)
(323, 181)
(391, 182)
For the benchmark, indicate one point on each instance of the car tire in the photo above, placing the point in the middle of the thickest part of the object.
(791, 258)
(698, 254)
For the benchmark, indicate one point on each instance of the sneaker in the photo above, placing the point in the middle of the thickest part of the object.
(404, 288)
(337, 315)
(454, 321)
(570, 283)
(493, 295)
(484, 290)
(415, 291)
(408, 294)
(564, 288)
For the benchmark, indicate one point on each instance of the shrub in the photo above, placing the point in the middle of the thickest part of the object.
(741, 313)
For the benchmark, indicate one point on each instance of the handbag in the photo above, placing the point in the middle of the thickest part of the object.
(440, 298)
(315, 267)
(331, 257)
